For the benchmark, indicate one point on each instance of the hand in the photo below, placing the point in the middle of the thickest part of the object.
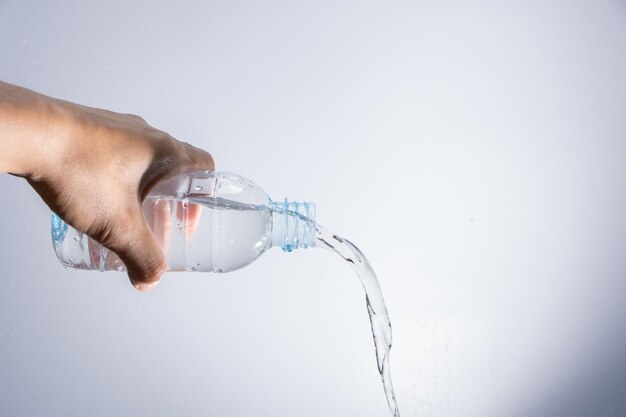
(93, 168)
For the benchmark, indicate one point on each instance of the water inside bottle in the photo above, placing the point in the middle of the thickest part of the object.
(195, 234)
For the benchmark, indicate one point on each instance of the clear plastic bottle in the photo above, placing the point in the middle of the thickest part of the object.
(204, 221)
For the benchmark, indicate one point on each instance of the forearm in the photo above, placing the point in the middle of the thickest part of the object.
(31, 128)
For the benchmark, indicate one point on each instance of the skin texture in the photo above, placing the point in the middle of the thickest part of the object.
(94, 167)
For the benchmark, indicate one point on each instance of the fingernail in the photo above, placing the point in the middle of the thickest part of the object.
(145, 286)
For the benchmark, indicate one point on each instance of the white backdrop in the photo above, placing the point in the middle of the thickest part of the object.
(476, 152)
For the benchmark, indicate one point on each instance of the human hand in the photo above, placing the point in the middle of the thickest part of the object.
(93, 168)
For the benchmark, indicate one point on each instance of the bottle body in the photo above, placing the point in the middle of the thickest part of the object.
(203, 221)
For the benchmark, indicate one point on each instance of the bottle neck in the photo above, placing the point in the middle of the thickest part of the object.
(293, 225)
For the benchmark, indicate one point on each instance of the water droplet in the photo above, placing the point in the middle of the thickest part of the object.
(198, 188)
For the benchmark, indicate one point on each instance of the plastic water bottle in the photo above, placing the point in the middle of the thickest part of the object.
(204, 221)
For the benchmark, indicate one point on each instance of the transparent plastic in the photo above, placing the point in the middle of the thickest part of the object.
(204, 221)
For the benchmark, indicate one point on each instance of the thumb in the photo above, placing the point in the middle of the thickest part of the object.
(137, 247)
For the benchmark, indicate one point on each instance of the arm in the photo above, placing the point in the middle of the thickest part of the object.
(94, 167)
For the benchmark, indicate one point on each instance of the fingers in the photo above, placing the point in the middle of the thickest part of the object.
(194, 212)
(142, 249)
(189, 159)
(189, 215)
(198, 158)
(172, 158)
(135, 244)
(161, 223)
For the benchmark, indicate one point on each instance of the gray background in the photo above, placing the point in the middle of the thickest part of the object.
(475, 151)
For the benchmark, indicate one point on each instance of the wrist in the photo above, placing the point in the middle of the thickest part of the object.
(33, 131)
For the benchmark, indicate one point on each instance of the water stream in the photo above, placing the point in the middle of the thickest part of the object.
(379, 319)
